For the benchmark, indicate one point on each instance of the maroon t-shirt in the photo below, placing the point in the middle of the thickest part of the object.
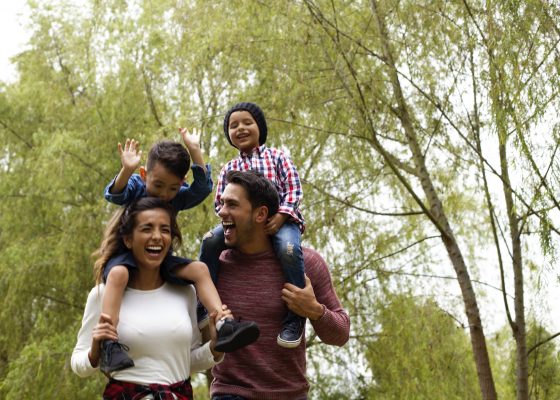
(251, 287)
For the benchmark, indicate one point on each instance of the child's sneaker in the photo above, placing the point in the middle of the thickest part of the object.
(234, 335)
(114, 357)
(292, 332)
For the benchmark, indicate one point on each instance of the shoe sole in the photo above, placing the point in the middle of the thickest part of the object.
(239, 339)
(119, 368)
(288, 344)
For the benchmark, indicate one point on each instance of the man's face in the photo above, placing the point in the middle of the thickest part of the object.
(162, 183)
(238, 217)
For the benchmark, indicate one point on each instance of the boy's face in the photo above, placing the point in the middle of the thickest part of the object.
(243, 131)
(160, 182)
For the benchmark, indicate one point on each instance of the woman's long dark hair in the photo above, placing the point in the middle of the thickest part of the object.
(121, 225)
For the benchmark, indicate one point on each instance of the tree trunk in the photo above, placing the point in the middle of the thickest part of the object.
(499, 109)
(478, 340)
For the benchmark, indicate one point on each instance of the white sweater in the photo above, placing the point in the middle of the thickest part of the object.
(157, 326)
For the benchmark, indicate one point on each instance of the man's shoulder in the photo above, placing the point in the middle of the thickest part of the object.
(313, 259)
(310, 252)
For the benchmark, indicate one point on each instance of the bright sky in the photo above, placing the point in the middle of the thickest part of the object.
(14, 36)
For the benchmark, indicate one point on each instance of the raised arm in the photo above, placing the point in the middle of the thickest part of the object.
(131, 155)
(192, 143)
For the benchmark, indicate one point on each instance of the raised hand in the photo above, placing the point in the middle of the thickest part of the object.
(192, 143)
(191, 139)
(131, 155)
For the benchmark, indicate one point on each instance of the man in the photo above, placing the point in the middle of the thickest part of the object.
(252, 284)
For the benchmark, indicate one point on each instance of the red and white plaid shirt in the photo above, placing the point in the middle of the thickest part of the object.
(276, 166)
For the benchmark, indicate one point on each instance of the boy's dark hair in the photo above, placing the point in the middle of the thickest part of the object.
(260, 191)
(173, 156)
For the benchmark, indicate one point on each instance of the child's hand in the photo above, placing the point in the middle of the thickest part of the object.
(192, 140)
(130, 155)
(275, 223)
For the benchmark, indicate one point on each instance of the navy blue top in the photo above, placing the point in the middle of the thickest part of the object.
(187, 197)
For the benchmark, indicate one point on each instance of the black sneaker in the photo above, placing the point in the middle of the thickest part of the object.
(234, 335)
(291, 333)
(114, 357)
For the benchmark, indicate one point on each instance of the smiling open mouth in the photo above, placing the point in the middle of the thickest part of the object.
(154, 249)
(228, 226)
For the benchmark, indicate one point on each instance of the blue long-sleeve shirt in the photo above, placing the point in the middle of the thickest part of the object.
(187, 197)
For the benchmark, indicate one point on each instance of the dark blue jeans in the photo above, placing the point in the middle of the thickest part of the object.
(286, 244)
(287, 247)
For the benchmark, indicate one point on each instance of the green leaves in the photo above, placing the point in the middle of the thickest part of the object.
(96, 74)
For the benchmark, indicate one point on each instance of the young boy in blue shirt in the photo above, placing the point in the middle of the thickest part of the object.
(163, 176)
(245, 129)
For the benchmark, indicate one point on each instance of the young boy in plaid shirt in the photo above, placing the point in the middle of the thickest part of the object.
(245, 128)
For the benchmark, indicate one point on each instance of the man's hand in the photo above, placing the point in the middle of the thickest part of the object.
(131, 155)
(275, 223)
(302, 301)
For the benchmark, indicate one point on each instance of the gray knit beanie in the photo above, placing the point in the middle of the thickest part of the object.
(257, 114)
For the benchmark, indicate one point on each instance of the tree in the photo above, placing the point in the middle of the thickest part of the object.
(420, 353)
(395, 113)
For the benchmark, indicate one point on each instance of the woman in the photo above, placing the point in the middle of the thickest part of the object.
(157, 321)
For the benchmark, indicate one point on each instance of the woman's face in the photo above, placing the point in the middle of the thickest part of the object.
(151, 238)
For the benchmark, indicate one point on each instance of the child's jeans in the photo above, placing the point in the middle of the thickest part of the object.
(287, 247)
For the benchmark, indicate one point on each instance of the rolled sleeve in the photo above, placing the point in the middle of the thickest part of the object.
(135, 188)
(193, 194)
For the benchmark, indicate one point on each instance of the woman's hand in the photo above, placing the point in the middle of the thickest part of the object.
(104, 330)
(216, 316)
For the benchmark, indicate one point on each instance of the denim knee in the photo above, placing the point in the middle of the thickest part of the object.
(213, 241)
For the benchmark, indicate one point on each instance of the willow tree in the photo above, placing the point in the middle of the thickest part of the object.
(429, 69)
(390, 110)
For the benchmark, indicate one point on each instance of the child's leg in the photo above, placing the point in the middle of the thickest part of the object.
(113, 354)
(114, 291)
(198, 273)
(232, 335)
(287, 246)
(210, 250)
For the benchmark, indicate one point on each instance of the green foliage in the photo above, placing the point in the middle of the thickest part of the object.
(96, 74)
(419, 353)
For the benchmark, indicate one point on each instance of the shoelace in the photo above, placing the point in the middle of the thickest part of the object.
(293, 327)
(120, 346)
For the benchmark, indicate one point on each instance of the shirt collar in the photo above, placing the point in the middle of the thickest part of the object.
(256, 151)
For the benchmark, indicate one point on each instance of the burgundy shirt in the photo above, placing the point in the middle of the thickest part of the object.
(251, 287)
